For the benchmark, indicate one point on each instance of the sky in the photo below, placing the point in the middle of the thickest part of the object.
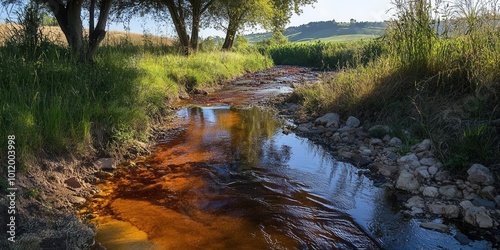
(323, 10)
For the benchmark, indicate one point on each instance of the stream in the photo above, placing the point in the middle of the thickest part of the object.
(228, 177)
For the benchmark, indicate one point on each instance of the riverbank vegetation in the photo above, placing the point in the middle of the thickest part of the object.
(57, 106)
(438, 76)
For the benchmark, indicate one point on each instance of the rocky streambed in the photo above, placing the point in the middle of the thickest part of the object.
(423, 186)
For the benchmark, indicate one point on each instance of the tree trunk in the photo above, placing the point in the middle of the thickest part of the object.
(230, 36)
(180, 26)
(98, 32)
(195, 24)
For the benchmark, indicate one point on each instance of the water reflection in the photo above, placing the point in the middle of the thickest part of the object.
(231, 180)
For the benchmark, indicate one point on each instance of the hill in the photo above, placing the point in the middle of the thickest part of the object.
(327, 31)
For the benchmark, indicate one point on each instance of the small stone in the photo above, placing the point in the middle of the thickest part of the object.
(352, 122)
(450, 191)
(386, 138)
(77, 200)
(451, 211)
(430, 192)
(488, 192)
(106, 164)
(415, 201)
(329, 120)
(425, 145)
(428, 161)
(476, 216)
(384, 169)
(411, 160)
(406, 181)
(480, 174)
(422, 172)
(376, 142)
(483, 203)
(432, 170)
(395, 142)
(442, 176)
(435, 226)
(460, 237)
(436, 208)
(73, 182)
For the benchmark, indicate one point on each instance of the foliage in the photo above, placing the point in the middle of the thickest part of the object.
(326, 56)
(437, 75)
(56, 106)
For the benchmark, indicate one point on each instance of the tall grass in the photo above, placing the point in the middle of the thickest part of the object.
(438, 76)
(55, 106)
(327, 56)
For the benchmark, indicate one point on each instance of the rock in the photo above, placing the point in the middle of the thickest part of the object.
(73, 182)
(430, 192)
(428, 161)
(379, 130)
(476, 216)
(450, 191)
(103, 175)
(435, 226)
(451, 211)
(432, 170)
(392, 156)
(448, 211)
(329, 120)
(425, 145)
(442, 176)
(352, 122)
(483, 203)
(106, 164)
(385, 170)
(415, 201)
(406, 181)
(416, 210)
(304, 129)
(77, 200)
(395, 142)
(411, 160)
(480, 174)
(488, 192)
(436, 208)
(423, 173)
(376, 142)
(386, 138)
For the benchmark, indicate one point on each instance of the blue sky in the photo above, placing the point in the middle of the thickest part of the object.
(323, 10)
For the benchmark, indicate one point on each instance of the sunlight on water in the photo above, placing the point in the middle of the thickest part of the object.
(230, 179)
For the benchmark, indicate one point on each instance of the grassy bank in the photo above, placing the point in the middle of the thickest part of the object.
(327, 56)
(55, 106)
(442, 84)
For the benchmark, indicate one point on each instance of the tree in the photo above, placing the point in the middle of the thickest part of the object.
(234, 15)
(69, 18)
(283, 11)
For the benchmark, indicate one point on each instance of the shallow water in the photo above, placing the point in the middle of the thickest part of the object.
(229, 178)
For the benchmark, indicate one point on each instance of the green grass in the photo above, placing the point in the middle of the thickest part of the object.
(326, 56)
(55, 106)
(440, 86)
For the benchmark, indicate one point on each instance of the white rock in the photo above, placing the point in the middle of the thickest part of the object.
(425, 145)
(352, 122)
(480, 174)
(395, 142)
(410, 160)
(415, 201)
(432, 170)
(329, 120)
(430, 192)
(422, 172)
(450, 191)
(428, 161)
(435, 226)
(106, 163)
(406, 181)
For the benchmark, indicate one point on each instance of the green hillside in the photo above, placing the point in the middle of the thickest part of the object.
(327, 31)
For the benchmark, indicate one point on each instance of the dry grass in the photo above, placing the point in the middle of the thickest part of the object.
(55, 35)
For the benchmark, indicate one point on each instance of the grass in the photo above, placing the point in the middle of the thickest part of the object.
(55, 106)
(441, 85)
(326, 56)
